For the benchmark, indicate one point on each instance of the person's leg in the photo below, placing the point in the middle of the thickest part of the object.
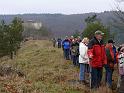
(93, 78)
(99, 76)
(121, 88)
(87, 68)
(65, 53)
(68, 51)
(82, 72)
(74, 59)
(70, 55)
(109, 77)
(105, 73)
(60, 45)
(77, 61)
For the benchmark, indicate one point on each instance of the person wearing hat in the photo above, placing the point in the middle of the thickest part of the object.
(114, 50)
(97, 57)
(109, 66)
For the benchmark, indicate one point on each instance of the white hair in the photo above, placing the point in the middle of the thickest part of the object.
(85, 40)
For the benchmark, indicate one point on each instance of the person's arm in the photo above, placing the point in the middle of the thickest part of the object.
(63, 44)
(104, 58)
(109, 54)
(82, 51)
(90, 49)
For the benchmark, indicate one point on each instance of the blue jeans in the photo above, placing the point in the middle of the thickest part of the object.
(108, 75)
(66, 53)
(82, 71)
(96, 77)
(87, 68)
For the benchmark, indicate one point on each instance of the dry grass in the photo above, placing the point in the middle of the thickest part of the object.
(45, 72)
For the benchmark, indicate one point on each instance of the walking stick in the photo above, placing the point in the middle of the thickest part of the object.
(90, 78)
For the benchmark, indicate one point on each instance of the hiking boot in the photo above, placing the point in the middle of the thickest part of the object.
(110, 87)
(83, 82)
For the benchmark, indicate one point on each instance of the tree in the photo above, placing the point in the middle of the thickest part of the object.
(76, 34)
(3, 39)
(93, 26)
(10, 37)
(15, 35)
(91, 19)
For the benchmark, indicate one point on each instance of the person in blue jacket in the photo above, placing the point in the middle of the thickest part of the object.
(66, 48)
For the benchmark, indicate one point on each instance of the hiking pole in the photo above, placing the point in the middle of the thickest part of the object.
(90, 78)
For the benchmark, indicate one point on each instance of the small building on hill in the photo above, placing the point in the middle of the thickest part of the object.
(30, 24)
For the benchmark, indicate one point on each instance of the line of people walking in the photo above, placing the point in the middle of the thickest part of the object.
(57, 42)
(99, 55)
(92, 56)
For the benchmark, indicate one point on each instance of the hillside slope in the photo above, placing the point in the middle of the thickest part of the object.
(61, 24)
(45, 71)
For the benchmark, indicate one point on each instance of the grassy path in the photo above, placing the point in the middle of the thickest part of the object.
(45, 71)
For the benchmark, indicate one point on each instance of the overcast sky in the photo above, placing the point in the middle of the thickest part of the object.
(56, 6)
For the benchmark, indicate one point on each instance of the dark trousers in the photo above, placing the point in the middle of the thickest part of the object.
(66, 53)
(108, 78)
(96, 77)
(75, 60)
(59, 45)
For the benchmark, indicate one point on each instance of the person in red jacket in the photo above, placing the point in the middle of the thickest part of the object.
(109, 67)
(97, 58)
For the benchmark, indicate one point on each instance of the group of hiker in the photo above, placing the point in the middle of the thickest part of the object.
(92, 56)
(57, 42)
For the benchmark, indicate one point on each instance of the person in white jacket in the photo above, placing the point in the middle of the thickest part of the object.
(83, 59)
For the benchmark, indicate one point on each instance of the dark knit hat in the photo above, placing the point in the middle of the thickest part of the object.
(111, 41)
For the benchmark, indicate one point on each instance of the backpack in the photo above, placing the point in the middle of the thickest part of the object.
(110, 60)
(75, 50)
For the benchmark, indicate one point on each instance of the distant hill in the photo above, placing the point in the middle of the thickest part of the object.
(60, 24)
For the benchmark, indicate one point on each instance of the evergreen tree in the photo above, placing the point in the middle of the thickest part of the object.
(15, 35)
(93, 25)
(10, 37)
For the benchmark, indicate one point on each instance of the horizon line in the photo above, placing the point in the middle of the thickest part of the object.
(58, 13)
